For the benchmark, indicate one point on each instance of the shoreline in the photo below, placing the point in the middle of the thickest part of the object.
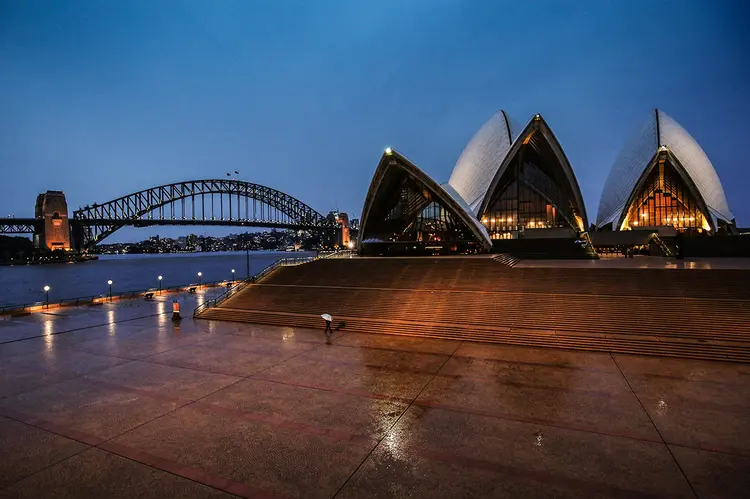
(49, 261)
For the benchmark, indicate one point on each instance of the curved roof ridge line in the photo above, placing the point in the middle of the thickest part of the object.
(507, 124)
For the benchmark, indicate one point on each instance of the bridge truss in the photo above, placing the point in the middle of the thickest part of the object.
(18, 225)
(196, 202)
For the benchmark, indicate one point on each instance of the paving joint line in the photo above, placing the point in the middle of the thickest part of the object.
(80, 328)
(648, 415)
(65, 380)
(86, 448)
(385, 433)
(243, 376)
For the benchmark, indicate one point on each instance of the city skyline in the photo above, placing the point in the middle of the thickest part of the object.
(105, 100)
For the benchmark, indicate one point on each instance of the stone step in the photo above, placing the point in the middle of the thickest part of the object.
(681, 313)
(638, 346)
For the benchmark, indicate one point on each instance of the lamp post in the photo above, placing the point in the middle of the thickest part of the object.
(247, 256)
(110, 289)
(232, 276)
(46, 296)
(200, 276)
(159, 284)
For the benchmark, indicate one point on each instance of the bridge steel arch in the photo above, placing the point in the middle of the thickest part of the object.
(194, 202)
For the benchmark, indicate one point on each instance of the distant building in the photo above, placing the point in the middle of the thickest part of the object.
(341, 239)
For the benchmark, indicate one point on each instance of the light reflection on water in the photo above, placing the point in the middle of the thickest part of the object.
(111, 321)
(49, 337)
(161, 308)
(128, 273)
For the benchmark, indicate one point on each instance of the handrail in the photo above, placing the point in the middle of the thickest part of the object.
(283, 262)
(664, 248)
(215, 301)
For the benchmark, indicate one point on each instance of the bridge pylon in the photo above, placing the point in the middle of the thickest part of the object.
(53, 230)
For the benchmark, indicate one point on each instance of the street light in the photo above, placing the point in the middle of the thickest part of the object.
(159, 284)
(200, 276)
(232, 276)
(110, 289)
(247, 256)
(46, 296)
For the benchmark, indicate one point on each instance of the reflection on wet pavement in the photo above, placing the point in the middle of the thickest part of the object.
(217, 409)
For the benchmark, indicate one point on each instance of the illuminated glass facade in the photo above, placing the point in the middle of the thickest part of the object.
(406, 210)
(534, 188)
(411, 212)
(664, 199)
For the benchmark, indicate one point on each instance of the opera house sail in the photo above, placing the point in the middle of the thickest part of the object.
(481, 158)
(533, 188)
(407, 212)
(663, 179)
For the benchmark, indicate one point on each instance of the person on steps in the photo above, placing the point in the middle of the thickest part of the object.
(328, 330)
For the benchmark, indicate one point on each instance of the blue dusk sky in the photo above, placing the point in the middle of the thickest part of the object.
(103, 98)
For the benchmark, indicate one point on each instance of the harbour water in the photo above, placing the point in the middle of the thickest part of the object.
(25, 283)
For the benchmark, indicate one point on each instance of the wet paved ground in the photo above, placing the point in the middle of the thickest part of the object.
(124, 404)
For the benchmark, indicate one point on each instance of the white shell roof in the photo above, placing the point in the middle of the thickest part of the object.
(479, 161)
(660, 130)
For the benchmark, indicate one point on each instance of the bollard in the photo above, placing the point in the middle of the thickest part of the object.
(176, 310)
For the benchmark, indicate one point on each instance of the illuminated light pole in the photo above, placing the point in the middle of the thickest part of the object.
(200, 278)
(159, 284)
(232, 276)
(46, 296)
(247, 256)
(110, 289)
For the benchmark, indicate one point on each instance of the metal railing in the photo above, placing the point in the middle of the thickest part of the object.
(102, 298)
(662, 245)
(338, 254)
(284, 262)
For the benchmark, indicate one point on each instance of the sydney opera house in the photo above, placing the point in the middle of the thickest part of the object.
(513, 187)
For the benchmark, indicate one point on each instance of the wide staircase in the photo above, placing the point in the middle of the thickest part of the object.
(702, 314)
(547, 248)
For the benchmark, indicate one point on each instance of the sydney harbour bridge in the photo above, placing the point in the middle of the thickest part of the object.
(211, 202)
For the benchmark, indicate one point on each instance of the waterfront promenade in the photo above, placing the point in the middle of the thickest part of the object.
(116, 401)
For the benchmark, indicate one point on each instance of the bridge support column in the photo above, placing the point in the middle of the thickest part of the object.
(53, 233)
